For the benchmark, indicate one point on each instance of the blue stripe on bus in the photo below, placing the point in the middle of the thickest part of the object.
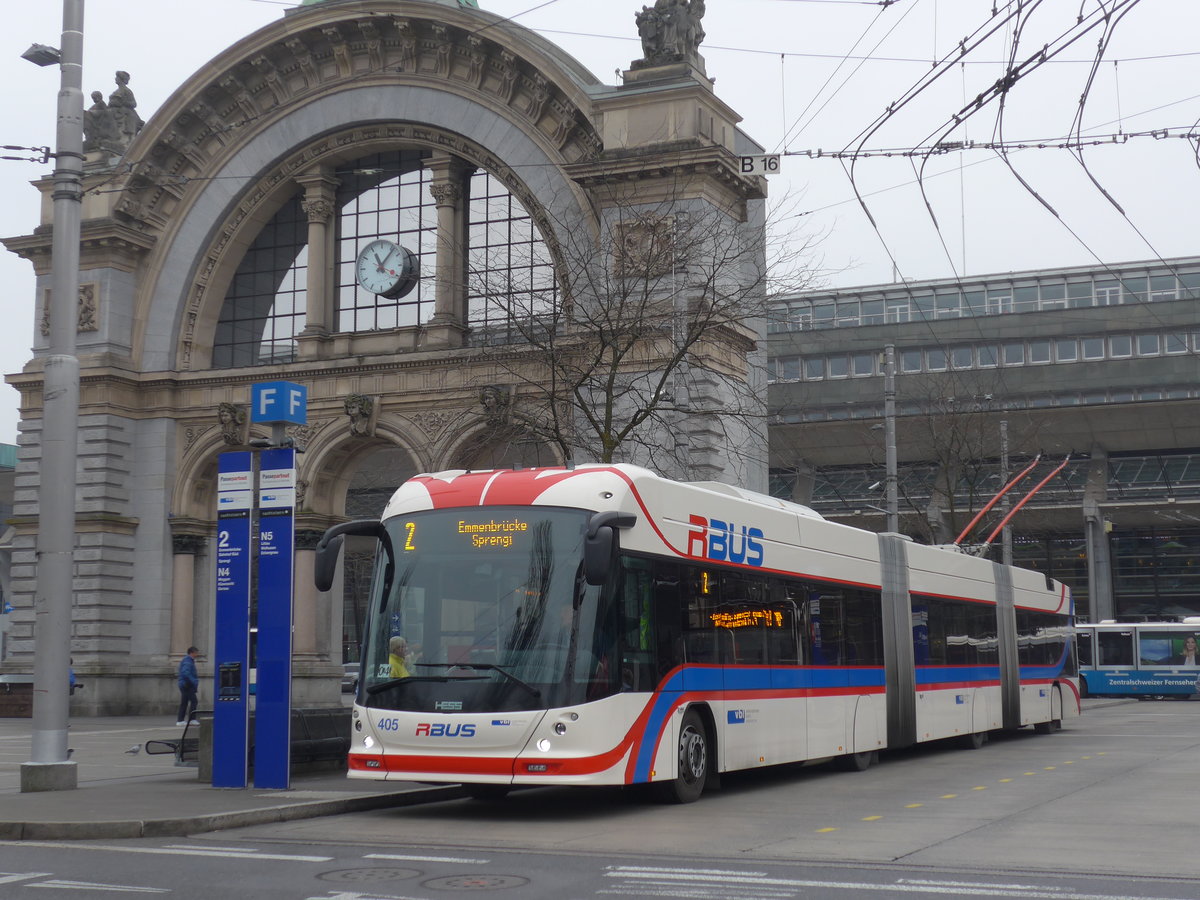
(713, 679)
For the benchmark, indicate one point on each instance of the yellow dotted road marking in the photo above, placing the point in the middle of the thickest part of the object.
(1005, 780)
(1050, 768)
(980, 788)
(872, 818)
(1031, 773)
(823, 830)
(948, 796)
(1085, 757)
(913, 805)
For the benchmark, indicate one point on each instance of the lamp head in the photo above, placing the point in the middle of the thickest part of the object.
(43, 55)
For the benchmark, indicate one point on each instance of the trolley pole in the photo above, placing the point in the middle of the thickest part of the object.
(1006, 534)
(49, 768)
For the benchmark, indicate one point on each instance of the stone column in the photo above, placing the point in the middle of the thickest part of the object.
(449, 191)
(186, 548)
(319, 204)
(305, 645)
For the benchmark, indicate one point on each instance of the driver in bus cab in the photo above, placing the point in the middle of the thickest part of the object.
(397, 663)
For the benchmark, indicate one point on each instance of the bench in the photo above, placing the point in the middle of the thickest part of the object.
(186, 747)
(16, 696)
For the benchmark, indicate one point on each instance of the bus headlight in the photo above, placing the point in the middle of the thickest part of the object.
(543, 745)
(560, 728)
(368, 742)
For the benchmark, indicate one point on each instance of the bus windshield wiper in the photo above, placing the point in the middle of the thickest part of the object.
(384, 685)
(489, 667)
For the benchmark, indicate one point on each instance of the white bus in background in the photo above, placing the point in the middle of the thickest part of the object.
(603, 625)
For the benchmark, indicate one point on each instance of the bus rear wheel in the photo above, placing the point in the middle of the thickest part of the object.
(688, 785)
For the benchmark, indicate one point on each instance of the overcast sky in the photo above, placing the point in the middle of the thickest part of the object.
(807, 76)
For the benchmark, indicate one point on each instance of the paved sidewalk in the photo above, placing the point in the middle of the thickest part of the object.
(125, 794)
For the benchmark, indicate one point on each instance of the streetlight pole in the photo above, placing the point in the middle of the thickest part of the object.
(49, 768)
(892, 492)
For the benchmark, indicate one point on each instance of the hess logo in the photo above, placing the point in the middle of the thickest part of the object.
(441, 729)
(724, 541)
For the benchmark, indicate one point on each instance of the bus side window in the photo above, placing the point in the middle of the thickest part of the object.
(1084, 643)
(1116, 648)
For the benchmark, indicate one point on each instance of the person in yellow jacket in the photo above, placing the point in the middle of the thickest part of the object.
(397, 651)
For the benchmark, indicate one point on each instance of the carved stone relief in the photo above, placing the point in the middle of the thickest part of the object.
(89, 309)
(643, 247)
(232, 418)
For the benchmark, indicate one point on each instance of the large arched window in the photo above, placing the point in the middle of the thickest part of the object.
(504, 263)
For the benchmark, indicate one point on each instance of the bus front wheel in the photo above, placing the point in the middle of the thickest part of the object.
(688, 785)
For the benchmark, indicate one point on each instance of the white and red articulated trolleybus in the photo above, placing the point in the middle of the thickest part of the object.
(602, 625)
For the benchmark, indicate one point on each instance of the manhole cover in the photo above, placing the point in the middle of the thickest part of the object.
(366, 876)
(475, 882)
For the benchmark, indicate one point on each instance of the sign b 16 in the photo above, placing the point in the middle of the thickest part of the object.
(763, 164)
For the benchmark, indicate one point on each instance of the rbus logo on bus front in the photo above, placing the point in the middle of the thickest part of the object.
(724, 542)
(439, 729)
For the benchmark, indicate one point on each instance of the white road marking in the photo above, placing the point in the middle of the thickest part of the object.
(90, 886)
(740, 879)
(163, 851)
(11, 877)
(445, 859)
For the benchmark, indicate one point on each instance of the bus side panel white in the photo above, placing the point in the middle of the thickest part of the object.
(759, 732)
(870, 724)
(828, 725)
(945, 713)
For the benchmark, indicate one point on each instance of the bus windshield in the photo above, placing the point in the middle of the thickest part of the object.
(486, 609)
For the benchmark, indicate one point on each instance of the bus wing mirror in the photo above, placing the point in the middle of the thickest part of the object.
(600, 541)
(329, 548)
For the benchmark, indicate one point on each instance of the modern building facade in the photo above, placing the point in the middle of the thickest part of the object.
(1097, 366)
(243, 236)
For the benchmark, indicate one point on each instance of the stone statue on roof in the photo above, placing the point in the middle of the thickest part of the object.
(671, 33)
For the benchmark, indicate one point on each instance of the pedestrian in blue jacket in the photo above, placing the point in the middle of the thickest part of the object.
(189, 684)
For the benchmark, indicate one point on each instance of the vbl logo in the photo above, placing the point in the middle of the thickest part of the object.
(441, 729)
(725, 541)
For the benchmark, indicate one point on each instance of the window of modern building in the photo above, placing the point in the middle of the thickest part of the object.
(974, 303)
(999, 300)
(897, 309)
(1079, 294)
(989, 355)
(1120, 345)
(1108, 293)
(1066, 350)
(789, 368)
(946, 306)
(935, 359)
(962, 357)
(1025, 298)
(1134, 289)
(838, 366)
(814, 368)
(1053, 295)
(847, 313)
(1147, 345)
(1163, 287)
(1039, 351)
(1014, 354)
(872, 312)
(863, 363)
(1175, 343)
(910, 361)
(1093, 348)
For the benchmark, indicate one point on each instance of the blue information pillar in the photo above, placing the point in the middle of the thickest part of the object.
(276, 552)
(235, 504)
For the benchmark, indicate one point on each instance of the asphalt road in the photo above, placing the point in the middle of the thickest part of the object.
(1104, 809)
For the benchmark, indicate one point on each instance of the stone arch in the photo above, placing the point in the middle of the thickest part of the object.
(389, 71)
(337, 458)
(498, 446)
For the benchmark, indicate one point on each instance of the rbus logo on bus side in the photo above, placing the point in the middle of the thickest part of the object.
(725, 542)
